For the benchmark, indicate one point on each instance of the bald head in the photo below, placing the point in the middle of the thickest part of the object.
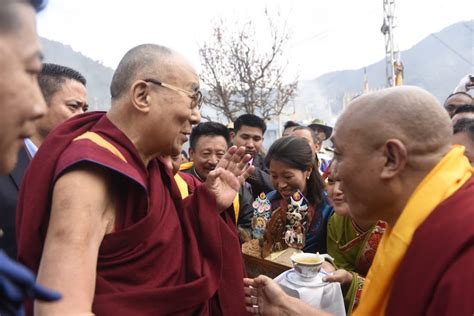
(155, 91)
(385, 143)
(141, 62)
(409, 114)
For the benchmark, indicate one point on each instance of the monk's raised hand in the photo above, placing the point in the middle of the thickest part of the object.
(230, 173)
(237, 162)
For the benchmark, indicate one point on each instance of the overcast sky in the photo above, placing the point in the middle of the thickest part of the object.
(327, 35)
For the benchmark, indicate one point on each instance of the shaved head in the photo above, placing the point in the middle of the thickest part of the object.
(409, 114)
(153, 99)
(143, 61)
(386, 142)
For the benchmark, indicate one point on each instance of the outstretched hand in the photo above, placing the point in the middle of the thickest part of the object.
(229, 175)
(263, 296)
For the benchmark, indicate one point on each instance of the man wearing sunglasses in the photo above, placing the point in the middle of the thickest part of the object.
(102, 220)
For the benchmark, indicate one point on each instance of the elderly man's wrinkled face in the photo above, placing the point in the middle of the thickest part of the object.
(175, 112)
(21, 101)
(356, 168)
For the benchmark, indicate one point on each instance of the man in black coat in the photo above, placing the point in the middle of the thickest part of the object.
(248, 132)
(64, 91)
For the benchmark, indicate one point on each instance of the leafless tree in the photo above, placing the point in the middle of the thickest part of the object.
(243, 75)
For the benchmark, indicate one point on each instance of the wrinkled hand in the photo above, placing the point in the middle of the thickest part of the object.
(342, 276)
(263, 296)
(17, 283)
(229, 175)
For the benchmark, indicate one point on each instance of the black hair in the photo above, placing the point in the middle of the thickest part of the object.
(249, 120)
(296, 153)
(466, 108)
(53, 76)
(464, 126)
(8, 16)
(456, 93)
(290, 124)
(137, 60)
(208, 129)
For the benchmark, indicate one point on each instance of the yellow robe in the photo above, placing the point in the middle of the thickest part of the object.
(445, 179)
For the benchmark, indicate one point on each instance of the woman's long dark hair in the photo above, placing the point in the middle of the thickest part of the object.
(296, 153)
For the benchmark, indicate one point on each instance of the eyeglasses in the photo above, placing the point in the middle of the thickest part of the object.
(196, 96)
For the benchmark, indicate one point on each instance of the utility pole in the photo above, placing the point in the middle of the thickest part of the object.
(391, 55)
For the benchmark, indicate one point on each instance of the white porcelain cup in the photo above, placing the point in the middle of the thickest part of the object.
(307, 265)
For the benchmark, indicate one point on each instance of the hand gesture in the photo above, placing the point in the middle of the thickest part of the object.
(263, 296)
(229, 175)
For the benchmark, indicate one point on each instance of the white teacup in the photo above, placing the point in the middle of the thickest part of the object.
(307, 265)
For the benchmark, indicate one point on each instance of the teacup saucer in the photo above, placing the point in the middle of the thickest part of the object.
(294, 278)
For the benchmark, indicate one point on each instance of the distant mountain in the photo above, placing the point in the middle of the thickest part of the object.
(429, 64)
(98, 76)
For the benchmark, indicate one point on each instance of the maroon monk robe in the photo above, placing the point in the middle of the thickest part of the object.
(436, 276)
(229, 255)
(228, 216)
(165, 256)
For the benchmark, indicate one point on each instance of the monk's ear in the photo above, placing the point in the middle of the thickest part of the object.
(395, 154)
(140, 96)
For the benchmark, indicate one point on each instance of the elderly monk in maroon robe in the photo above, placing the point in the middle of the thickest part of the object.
(394, 159)
(100, 216)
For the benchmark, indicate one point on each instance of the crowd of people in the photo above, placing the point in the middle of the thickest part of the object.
(102, 213)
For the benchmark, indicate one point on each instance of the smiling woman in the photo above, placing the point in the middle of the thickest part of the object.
(293, 169)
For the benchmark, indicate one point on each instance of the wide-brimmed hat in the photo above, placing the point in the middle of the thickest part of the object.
(318, 124)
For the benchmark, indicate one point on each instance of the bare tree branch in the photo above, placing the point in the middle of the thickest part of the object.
(244, 77)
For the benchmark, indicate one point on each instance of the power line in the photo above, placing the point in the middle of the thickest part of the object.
(452, 50)
(320, 34)
(467, 26)
(331, 29)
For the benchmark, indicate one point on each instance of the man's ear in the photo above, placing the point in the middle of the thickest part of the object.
(140, 97)
(232, 135)
(395, 154)
(190, 153)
